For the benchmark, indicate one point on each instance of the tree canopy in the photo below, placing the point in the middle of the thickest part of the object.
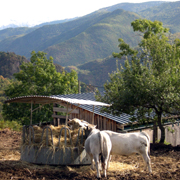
(148, 86)
(38, 77)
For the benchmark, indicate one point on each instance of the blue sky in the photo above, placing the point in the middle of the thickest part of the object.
(34, 12)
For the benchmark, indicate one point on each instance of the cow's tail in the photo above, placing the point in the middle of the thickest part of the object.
(102, 149)
(148, 140)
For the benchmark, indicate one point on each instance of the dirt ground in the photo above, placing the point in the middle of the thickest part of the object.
(165, 164)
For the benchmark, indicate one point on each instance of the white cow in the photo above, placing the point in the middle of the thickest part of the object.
(98, 145)
(131, 143)
(76, 123)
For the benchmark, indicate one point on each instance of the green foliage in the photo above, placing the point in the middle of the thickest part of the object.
(4, 82)
(37, 77)
(148, 85)
(170, 129)
(149, 28)
(13, 125)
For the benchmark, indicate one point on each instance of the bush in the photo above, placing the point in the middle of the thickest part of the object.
(13, 125)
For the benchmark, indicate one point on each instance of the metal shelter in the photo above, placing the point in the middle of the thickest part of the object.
(43, 100)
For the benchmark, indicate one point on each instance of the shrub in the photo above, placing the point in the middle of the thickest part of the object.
(13, 125)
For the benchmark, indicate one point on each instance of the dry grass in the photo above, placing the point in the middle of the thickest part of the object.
(55, 135)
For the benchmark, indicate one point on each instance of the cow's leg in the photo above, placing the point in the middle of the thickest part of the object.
(147, 160)
(104, 165)
(92, 162)
(108, 161)
(96, 159)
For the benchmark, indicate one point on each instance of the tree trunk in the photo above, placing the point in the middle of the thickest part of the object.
(154, 132)
(161, 128)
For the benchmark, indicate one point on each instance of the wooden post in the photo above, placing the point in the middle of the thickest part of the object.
(98, 122)
(79, 87)
(93, 116)
(31, 112)
(66, 122)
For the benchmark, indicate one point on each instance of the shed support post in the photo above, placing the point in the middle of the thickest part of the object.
(66, 122)
(93, 116)
(31, 112)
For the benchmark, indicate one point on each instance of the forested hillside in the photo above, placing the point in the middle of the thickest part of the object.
(134, 7)
(96, 72)
(86, 43)
(82, 39)
(98, 41)
(11, 32)
(168, 13)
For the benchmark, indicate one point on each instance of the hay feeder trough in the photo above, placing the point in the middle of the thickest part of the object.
(50, 153)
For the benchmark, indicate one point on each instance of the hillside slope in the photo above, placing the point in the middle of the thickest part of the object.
(98, 41)
(96, 72)
(49, 37)
(168, 13)
(10, 32)
(134, 7)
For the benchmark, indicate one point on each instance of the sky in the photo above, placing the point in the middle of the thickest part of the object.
(33, 12)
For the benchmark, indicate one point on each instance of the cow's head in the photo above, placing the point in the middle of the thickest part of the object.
(89, 128)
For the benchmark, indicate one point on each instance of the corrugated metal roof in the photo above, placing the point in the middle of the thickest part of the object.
(36, 99)
(123, 119)
(87, 100)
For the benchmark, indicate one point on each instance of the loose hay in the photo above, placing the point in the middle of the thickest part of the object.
(118, 166)
(40, 140)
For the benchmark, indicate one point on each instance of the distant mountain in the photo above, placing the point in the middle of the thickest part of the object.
(94, 36)
(9, 26)
(54, 22)
(134, 7)
(78, 41)
(96, 72)
(12, 32)
(168, 13)
(97, 41)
